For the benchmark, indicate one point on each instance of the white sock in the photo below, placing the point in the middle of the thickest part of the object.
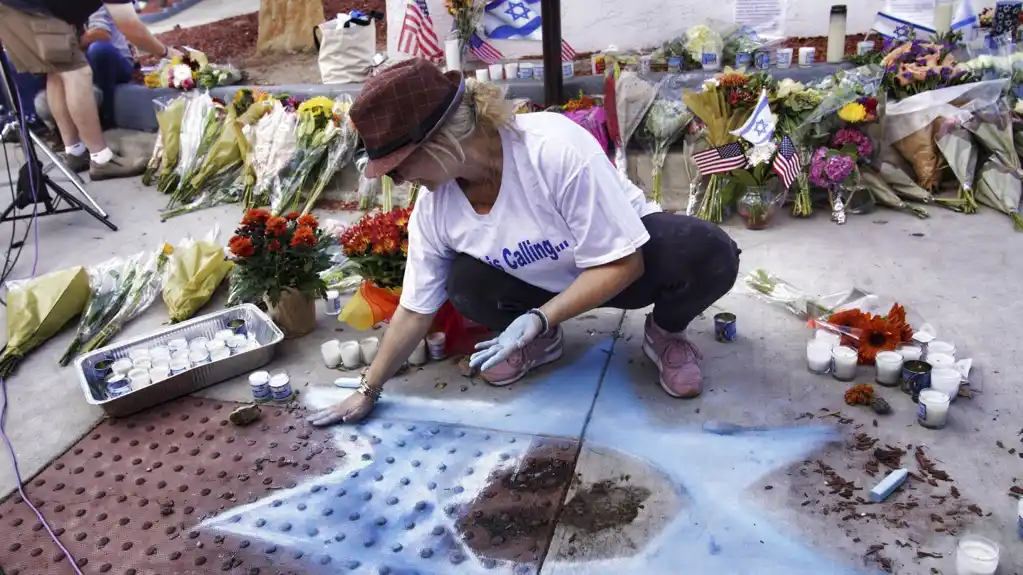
(101, 157)
(78, 149)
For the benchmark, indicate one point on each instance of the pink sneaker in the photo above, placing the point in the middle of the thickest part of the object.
(675, 357)
(541, 351)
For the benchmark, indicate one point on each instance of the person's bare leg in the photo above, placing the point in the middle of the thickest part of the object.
(80, 106)
(58, 109)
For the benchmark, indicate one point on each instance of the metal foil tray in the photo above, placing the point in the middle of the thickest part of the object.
(257, 324)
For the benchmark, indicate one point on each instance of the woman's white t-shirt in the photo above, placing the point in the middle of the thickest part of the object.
(562, 207)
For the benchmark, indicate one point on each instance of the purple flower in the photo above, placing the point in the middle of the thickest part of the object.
(907, 75)
(945, 72)
(921, 62)
(887, 45)
(838, 167)
(864, 147)
(817, 168)
(932, 74)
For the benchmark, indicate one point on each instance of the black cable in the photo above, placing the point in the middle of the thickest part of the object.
(13, 247)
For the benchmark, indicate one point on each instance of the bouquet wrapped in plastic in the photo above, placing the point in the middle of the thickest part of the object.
(274, 143)
(39, 308)
(377, 246)
(315, 131)
(168, 116)
(664, 124)
(202, 125)
(120, 290)
(196, 268)
(340, 152)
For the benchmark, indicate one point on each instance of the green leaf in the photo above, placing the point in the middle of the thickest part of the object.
(744, 177)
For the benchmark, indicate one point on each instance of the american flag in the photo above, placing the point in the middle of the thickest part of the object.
(567, 52)
(720, 160)
(786, 162)
(417, 37)
(484, 50)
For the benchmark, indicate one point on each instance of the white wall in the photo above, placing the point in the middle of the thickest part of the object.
(591, 25)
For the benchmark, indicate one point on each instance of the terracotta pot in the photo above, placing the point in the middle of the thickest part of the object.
(295, 313)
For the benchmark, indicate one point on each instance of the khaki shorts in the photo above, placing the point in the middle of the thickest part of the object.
(39, 44)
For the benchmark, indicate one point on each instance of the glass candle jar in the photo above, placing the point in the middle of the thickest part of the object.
(932, 409)
(889, 368)
(909, 352)
(941, 360)
(946, 379)
(843, 363)
(818, 356)
(976, 555)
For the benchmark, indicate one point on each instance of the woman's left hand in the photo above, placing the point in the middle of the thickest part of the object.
(519, 334)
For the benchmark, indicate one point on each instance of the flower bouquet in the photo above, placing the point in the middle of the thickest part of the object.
(871, 333)
(274, 143)
(467, 16)
(376, 245)
(39, 308)
(722, 106)
(757, 202)
(665, 122)
(316, 130)
(340, 152)
(795, 103)
(957, 147)
(195, 270)
(120, 290)
(190, 71)
(168, 117)
(279, 260)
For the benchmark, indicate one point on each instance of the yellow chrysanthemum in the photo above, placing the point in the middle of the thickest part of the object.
(853, 112)
(320, 105)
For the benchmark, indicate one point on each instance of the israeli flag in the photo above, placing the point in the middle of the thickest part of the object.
(966, 21)
(513, 20)
(896, 28)
(759, 128)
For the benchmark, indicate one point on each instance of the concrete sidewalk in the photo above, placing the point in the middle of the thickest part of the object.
(766, 472)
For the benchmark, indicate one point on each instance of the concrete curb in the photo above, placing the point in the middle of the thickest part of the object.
(134, 109)
(166, 13)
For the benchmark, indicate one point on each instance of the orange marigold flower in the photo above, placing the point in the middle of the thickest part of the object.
(255, 217)
(241, 246)
(291, 216)
(404, 247)
(877, 336)
(274, 246)
(276, 225)
(303, 237)
(309, 221)
(860, 394)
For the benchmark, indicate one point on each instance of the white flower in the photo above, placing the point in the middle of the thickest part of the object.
(789, 86)
(179, 74)
(761, 154)
(711, 83)
(1018, 108)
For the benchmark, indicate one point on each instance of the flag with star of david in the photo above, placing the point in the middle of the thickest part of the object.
(901, 29)
(518, 20)
(759, 128)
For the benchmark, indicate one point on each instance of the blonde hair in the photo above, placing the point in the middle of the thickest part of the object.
(483, 107)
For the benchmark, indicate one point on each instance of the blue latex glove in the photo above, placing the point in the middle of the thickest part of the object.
(519, 334)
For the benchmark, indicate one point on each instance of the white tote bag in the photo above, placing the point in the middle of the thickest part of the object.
(345, 54)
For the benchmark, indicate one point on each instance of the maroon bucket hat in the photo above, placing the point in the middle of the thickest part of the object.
(401, 108)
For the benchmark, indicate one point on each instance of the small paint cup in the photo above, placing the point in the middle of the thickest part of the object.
(159, 352)
(177, 344)
(199, 343)
(198, 357)
(280, 386)
(916, 375)
(139, 378)
(161, 364)
(351, 355)
(436, 344)
(807, 55)
(259, 383)
(219, 354)
(783, 59)
(179, 364)
(743, 59)
(762, 59)
(724, 327)
(158, 374)
(711, 60)
(496, 72)
(137, 354)
(216, 345)
(237, 326)
(102, 368)
(117, 385)
(237, 343)
(418, 356)
(142, 363)
(511, 70)
(122, 366)
(181, 354)
(368, 348)
(525, 71)
(483, 74)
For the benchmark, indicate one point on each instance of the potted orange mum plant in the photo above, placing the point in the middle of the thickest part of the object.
(278, 260)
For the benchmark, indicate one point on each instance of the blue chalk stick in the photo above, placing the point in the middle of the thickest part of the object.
(882, 490)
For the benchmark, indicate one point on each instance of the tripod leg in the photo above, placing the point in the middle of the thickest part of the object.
(67, 197)
(75, 179)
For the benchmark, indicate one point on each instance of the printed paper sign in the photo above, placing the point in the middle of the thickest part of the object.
(767, 17)
(916, 11)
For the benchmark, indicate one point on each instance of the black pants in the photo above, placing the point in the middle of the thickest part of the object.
(689, 264)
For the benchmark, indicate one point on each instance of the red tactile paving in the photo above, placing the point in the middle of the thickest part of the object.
(129, 498)
(126, 498)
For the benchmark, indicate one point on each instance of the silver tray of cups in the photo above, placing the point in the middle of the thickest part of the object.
(133, 375)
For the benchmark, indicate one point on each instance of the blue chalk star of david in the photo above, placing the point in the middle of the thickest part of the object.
(517, 11)
(760, 128)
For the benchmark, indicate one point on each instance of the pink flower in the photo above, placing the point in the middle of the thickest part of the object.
(864, 147)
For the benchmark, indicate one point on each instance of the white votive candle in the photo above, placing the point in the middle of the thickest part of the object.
(223, 335)
(331, 352)
(483, 74)
(137, 354)
(159, 374)
(453, 55)
(496, 72)
(177, 344)
(179, 364)
(909, 352)
(946, 379)
(511, 70)
(976, 555)
(783, 58)
(144, 363)
(941, 360)
(368, 348)
(198, 343)
(932, 411)
(122, 366)
(139, 378)
(818, 356)
(219, 354)
(418, 356)
(351, 356)
(807, 54)
(829, 336)
(198, 357)
(889, 368)
(843, 363)
(944, 347)
(159, 352)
